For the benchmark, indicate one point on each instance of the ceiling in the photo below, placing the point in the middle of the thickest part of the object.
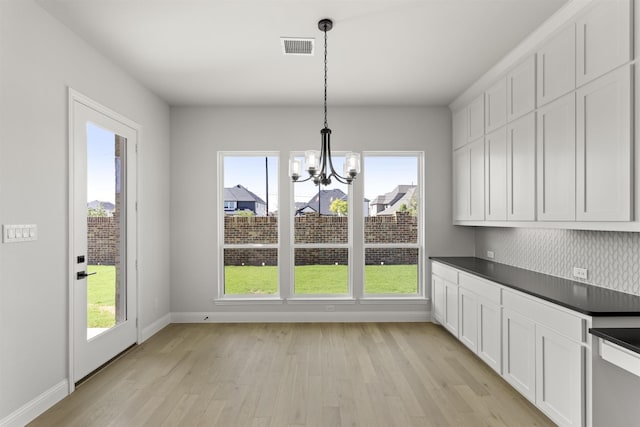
(380, 52)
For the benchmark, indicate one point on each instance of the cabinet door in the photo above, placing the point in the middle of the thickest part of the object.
(495, 146)
(603, 39)
(461, 183)
(495, 106)
(459, 128)
(557, 66)
(518, 353)
(489, 334)
(451, 308)
(468, 321)
(521, 169)
(476, 176)
(475, 119)
(556, 147)
(521, 89)
(560, 365)
(604, 149)
(437, 298)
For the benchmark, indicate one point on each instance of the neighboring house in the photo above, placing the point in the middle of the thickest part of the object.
(322, 202)
(390, 202)
(239, 198)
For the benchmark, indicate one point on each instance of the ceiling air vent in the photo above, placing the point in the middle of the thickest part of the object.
(297, 46)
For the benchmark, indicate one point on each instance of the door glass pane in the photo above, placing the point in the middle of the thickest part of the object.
(106, 286)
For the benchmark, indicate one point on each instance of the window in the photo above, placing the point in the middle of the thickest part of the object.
(249, 200)
(230, 205)
(321, 237)
(393, 224)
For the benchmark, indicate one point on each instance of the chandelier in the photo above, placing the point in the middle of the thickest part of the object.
(318, 163)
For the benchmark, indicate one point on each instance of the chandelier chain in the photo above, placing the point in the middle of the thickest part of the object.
(325, 77)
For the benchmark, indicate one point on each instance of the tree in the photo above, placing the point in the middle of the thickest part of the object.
(339, 207)
(97, 211)
(245, 213)
(412, 209)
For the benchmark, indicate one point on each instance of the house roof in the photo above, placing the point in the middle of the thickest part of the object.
(393, 196)
(404, 199)
(241, 194)
(322, 201)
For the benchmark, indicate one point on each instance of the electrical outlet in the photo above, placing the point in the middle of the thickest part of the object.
(490, 254)
(329, 308)
(580, 273)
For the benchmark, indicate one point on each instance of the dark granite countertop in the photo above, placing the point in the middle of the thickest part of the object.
(587, 299)
(628, 338)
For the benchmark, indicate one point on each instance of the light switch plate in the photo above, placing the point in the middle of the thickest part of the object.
(14, 233)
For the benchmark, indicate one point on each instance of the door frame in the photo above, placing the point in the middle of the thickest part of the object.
(75, 96)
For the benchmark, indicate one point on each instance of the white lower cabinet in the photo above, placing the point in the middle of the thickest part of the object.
(437, 303)
(559, 377)
(451, 307)
(518, 356)
(538, 347)
(468, 326)
(489, 334)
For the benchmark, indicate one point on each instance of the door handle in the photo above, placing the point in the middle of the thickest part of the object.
(83, 274)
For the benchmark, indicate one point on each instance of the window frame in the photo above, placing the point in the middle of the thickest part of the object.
(422, 287)
(293, 245)
(221, 295)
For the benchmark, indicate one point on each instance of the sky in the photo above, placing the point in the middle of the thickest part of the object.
(101, 183)
(385, 173)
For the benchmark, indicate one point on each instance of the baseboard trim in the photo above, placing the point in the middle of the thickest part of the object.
(155, 327)
(301, 317)
(32, 409)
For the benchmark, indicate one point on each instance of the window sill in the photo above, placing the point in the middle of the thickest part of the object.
(249, 301)
(321, 300)
(412, 300)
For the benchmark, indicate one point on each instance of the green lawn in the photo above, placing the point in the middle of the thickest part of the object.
(321, 279)
(101, 296)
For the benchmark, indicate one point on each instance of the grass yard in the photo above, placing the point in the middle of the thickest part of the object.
(321, 279)
(101, 296)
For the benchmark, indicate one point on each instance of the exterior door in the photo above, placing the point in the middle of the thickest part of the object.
(103, 283)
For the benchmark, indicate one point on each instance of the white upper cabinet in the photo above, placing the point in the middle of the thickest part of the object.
(557, 66)
(603, 39)
(521, 165)
(495, 105)
(475, 119)
(521, 89)
(468, 182)
(495, 146)
(459, 128)
(604, 149)
(556, 160)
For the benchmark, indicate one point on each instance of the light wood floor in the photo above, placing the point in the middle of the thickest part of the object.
(296, 375)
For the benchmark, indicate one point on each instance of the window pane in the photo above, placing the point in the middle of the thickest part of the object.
(321, 212)
(250, 184)
(251, 271)
(391, 270)
(321, 271)
(390, 186)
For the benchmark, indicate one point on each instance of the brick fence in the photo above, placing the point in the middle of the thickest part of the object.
(311, 228)
(102, 240)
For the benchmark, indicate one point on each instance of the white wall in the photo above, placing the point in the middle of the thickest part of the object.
(197, 134)
(39, 58)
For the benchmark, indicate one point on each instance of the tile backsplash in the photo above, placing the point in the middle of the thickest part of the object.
(612, 258)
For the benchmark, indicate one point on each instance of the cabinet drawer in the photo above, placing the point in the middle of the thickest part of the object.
(619, 356)
(447, 273)
(570, 326)
(484, 289)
